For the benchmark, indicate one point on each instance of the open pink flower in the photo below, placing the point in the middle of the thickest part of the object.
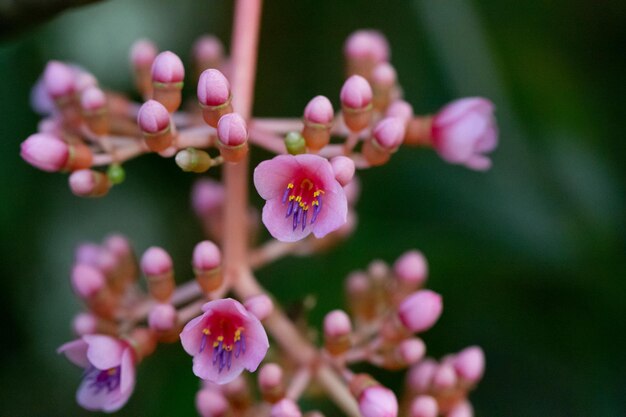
(224, 341)
(464, 130)
(109, 377)
(302, 196)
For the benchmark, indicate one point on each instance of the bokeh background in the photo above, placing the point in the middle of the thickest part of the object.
(530, 257)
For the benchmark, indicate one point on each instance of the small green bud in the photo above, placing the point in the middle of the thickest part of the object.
(295, 143)
(116, 174)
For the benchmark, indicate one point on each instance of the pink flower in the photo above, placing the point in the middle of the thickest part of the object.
(224, 340)
(302, 196)
(109, 377)
(464, 130)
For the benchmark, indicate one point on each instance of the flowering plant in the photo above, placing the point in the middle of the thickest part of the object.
(310, 189)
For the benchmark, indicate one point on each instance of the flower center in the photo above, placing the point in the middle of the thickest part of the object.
(301, 198)
(226, 341)
(108, 379)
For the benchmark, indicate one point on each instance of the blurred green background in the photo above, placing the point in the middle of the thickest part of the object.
(530, 257)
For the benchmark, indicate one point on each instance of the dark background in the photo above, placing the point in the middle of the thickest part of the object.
(530, 257)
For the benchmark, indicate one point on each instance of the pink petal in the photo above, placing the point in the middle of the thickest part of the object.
(191, 336)
(334, 212)
(489, 140)
(127, 373)
(203, 368)
(279, 226)
(76, 352)
(458, 108)
(257, 344)
(317, 167)
(104, 352)
(478, 163)
(94, 400)
(226, 305)
(272, 176)
(457, 141)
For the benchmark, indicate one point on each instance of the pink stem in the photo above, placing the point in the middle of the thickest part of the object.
(267, 140)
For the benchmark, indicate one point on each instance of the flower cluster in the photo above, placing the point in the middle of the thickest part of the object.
(310, 189)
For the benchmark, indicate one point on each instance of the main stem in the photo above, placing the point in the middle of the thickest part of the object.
(237, 268)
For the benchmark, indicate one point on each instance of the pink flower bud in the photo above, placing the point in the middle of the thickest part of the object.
(400, 109)
(45, 152)
(444, 377)
(208, 48)
(389, 133)
(153, 117)
(470, 363)
(424, 406)
(207, 196)
(162, 317)
(378, 401)
(420, 376)
(464, 130)
(84, 80)
(211, 403)
(87, 280)
(232, 130)
(156, 261)
(85, 323)
(337, 324)
(261, 306)
(285, 408)
(343, 168)
(59, 79)
(356, 93)
(93, 99)
(384, 75)
(167, 68)
(319, 111)
(213, 88)
(411, 268)
(87, 253)
(206, 256)
(411, 350)
(420, 310)
(50, 126)
(357, 283)
(118, 245)
(378, 270)
(462, 409)
(270, 376)
(367, 44)
(142, 53)
(88, 183)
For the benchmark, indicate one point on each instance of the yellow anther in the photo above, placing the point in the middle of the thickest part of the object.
(290, 185)
(315, 203)
(291, 198)
(220, 338)
(206, 332)
(307, 182)
(299, 198)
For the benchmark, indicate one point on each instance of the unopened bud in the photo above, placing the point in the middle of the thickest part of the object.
(154, 122)
(411, 270)
(156, 265)
(94, 106)
(374, 399)
(271, 383)
(285, 408)
(411, 351)
(207, 52)
(116, 174)
(261, 306)
(420, 376)
(206, 263)
(424, 406)
(295, 143)
(89, 183)
(363, 50)
(193, 160)
(168, 73)
(337, 330)
(59, 80)
(386, 138)
(358, 291)
(318, 119)
(470, 364)
(383, 82)
(85, 323)
(87, 281)
(211, 403)
(207, 197)
(400, 109)
(232, 135)
(214, 96)
(356, 103)
(45, 151)
(142, 55)
(420, 310)
(462, 409)
(444, 377)
(343, 168)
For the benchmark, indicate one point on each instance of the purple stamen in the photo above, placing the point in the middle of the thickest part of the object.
(243, 343)
(229, 358)
(101, 379)
(216, 352)
(286, 195)
(296, 215)
(290, 208)
(203, 343)
(304, 219)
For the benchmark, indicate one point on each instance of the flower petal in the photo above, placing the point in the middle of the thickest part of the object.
(334, 213)
(76, 352)
(279, 226)
(104, 352)
(272, 176)
(191, 336)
